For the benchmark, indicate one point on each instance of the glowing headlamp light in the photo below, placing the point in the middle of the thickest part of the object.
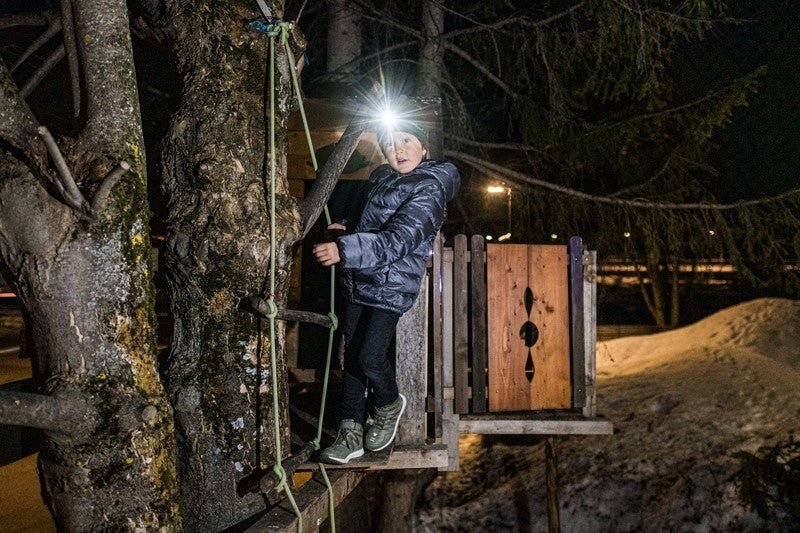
(388, 118)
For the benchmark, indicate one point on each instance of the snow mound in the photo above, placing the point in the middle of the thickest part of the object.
(683, 403)
(768, 326)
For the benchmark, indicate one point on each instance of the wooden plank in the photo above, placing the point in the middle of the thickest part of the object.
(438, 341)
(478, 319)
(398, 458)
(411, 369)
(460, 325)
(577, 322)
(586, 426)
(549, 276)
(590, 329)
(512, 269)
(551, 482)
(450, 434)
(507, 277)
(312, 500)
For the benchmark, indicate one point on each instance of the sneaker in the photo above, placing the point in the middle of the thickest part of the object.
(348, 444)
(384, 428)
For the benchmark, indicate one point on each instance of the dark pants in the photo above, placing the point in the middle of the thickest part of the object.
(368, 333)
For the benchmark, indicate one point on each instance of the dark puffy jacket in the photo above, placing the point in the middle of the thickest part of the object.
(384, 260)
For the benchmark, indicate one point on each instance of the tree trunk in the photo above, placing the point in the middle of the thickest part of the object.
(401, 490)
(431, 57)
(218, 244)
(83, 273)
(344, 37)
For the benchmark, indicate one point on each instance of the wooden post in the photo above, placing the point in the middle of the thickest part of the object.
(590, 329)
(479, 366)
(411, 369)
(450, 418)
(551, 465)
(577, 323)
(438, 340)
(460, 325)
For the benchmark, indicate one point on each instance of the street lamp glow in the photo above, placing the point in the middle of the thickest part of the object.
(627, 234)
(488, 237)
(504, 237)
(494, 189)
(554, 236)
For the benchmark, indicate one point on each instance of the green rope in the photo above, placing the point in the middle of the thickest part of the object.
(281, 29)
(332, 295)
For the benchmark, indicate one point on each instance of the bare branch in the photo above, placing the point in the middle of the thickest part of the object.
(499, 146)
(511, 174)
(17, 123)
(72, 56)
(52, 29)
(101, 196)
(72, 195)
(311, 206)
(44, 69)
(61, 415)
(25, 19)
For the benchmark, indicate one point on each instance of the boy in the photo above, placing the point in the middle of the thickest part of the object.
(384, 261)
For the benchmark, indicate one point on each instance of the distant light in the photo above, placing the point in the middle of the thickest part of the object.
(554, 236)
(489, 237)
(627, 234)
(494, 189)
(504, 237)
(712, 232)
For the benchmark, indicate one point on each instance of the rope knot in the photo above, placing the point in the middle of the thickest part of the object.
(270, 28)
(315, 444)
(281, 473)
(272, 309)
(334, 320)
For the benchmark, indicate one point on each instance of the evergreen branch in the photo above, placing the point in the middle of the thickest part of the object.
(53, 28)
(72, 56)
(43, 70)
(511, 174)
(72, 195)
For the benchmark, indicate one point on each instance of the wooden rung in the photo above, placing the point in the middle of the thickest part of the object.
(400, 457)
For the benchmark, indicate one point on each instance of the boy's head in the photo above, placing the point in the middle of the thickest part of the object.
(405, 146)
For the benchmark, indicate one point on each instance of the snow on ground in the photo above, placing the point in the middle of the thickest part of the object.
(682, 402)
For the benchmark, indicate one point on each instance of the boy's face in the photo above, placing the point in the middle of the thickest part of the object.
(403, 151)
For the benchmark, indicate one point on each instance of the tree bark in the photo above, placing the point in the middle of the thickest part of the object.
(85, 283)
(344, 37)
(218, 246)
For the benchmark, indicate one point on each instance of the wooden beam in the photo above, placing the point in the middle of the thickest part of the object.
(588, 426)
(411, 369)
(400, 458)
(313, 500)
(590, 329)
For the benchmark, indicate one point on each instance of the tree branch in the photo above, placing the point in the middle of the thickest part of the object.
(72, 195)
(68, 416)
(484, 165)
(37, 77)
(499, 146)
(311, 206)
(68, 22)
(25, 19)
(17, 123)
(53, 28)
(101, 196)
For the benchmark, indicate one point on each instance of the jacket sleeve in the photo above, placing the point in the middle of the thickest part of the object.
(417, 219)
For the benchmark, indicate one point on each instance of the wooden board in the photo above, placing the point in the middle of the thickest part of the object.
(511, 269)
(586, 426)
(411, 369)
(478, 320)
(460, 325)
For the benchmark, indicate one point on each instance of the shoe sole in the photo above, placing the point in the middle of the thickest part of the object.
(354, 455)
(396, 424)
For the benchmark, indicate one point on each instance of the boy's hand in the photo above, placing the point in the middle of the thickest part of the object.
(333, 231)
(327, 253)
